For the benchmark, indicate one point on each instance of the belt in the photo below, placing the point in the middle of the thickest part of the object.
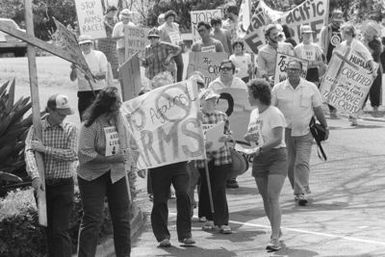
(59, 181)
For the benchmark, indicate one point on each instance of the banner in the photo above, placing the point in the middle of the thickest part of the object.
(90, 17)
(202, 15)
(311, 12)
(280, 67)
(347, 82)
(207, 63)
(135, 40)
(68, 42)
(165, 125)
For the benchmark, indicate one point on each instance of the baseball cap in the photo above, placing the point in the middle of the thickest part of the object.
(85, 39)
(125, 13)
(306, 29)
(338, 15)
(208, 94)
(60, 103)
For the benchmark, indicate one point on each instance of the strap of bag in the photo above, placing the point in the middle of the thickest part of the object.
(322, 156)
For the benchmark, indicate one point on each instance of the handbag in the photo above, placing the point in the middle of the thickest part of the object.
(319, 133)
(240, 163)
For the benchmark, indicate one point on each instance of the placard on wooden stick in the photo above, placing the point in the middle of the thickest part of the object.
(130, 78)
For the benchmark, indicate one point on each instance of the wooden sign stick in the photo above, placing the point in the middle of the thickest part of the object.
(42, 205)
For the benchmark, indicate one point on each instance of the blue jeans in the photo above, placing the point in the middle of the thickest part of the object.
(92, 194)
(299, 151)
(162, 177)
(59, 199)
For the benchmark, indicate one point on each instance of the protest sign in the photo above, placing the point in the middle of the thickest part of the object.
(235, 102)
(130, 78)
(165, 126)
(214, 134)
(135, 40)
(112, 141)
(207, 63)
(202, 15)
(90, 18)
(280, 67)
(347, 82)
(311, 12)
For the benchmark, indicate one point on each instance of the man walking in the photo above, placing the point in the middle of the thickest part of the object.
(299, 100)
(98, 64)
(58, 146)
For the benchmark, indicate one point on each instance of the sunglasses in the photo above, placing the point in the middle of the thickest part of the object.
(201, 30)
(226, 68)
(292, 69)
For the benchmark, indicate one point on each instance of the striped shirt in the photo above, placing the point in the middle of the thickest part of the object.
(223, 155)
(61, 143)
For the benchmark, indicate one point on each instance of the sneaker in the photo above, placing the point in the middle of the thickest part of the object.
(225, 229)
(165, 243)
(209, 225)
(202, 219)
(274, 245)
(302, 201)
(187, 241)
(232, 183)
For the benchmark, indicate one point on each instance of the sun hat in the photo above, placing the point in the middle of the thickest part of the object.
(208, 94)
(154, 32)
(306, 29)
(125, 13)
(85, 39)
(60, 103)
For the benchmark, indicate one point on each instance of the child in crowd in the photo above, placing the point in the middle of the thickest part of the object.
(242, 61)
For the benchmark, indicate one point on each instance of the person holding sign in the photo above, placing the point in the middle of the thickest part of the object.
(98, 64)
(219, 164)
(118, 33)
(207, 43)
(158, 55)
(59, 147)
(312, 52)
(299, 99)
(169, 32)
(102, 173)
(267, 130)
(267, 55)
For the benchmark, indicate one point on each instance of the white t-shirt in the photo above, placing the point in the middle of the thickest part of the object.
(241, 63)
(263, 124)
(97, 62)
(118, 31)
(310, 52)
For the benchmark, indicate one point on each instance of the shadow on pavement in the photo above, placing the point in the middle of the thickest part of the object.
(197, 251)
(291, 252)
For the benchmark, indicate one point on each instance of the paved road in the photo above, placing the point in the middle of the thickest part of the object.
(346, 217)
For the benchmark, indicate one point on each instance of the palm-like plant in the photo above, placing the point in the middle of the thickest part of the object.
(13, 130)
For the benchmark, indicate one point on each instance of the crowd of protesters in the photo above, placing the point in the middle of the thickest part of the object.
(278, 127)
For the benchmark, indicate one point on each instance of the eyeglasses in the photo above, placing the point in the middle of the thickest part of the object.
(226, 68)
(201, 30)
(292, 69)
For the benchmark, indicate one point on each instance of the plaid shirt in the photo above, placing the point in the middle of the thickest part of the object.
(223, 155)
(155, 57)
(61, 143)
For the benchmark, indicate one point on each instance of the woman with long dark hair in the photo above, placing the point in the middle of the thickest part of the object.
(101, 173)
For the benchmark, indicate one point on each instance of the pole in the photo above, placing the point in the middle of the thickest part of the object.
(209, 187)
(42, 205)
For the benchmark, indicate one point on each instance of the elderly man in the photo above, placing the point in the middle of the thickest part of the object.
(299, 100)
(58, 146)
(125, 17)
(227, 79)
(267, 55)
(98, 64)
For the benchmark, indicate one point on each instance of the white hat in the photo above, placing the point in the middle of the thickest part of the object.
(85, 39)
(306, 29)
(60, 103)
(126, 13)
(208, 94)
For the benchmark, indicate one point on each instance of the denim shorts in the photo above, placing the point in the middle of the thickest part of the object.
(271, 162)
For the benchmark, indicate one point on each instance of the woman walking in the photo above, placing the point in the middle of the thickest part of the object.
(266, 130)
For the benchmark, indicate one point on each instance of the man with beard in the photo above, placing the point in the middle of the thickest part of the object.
(329, 39)
(268, 53)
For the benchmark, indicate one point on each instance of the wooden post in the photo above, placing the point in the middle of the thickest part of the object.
(130, 78)
(42, 207)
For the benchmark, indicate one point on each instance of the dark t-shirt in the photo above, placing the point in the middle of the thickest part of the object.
(334, 40)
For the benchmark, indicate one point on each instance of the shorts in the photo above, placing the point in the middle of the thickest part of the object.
(271, 162)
